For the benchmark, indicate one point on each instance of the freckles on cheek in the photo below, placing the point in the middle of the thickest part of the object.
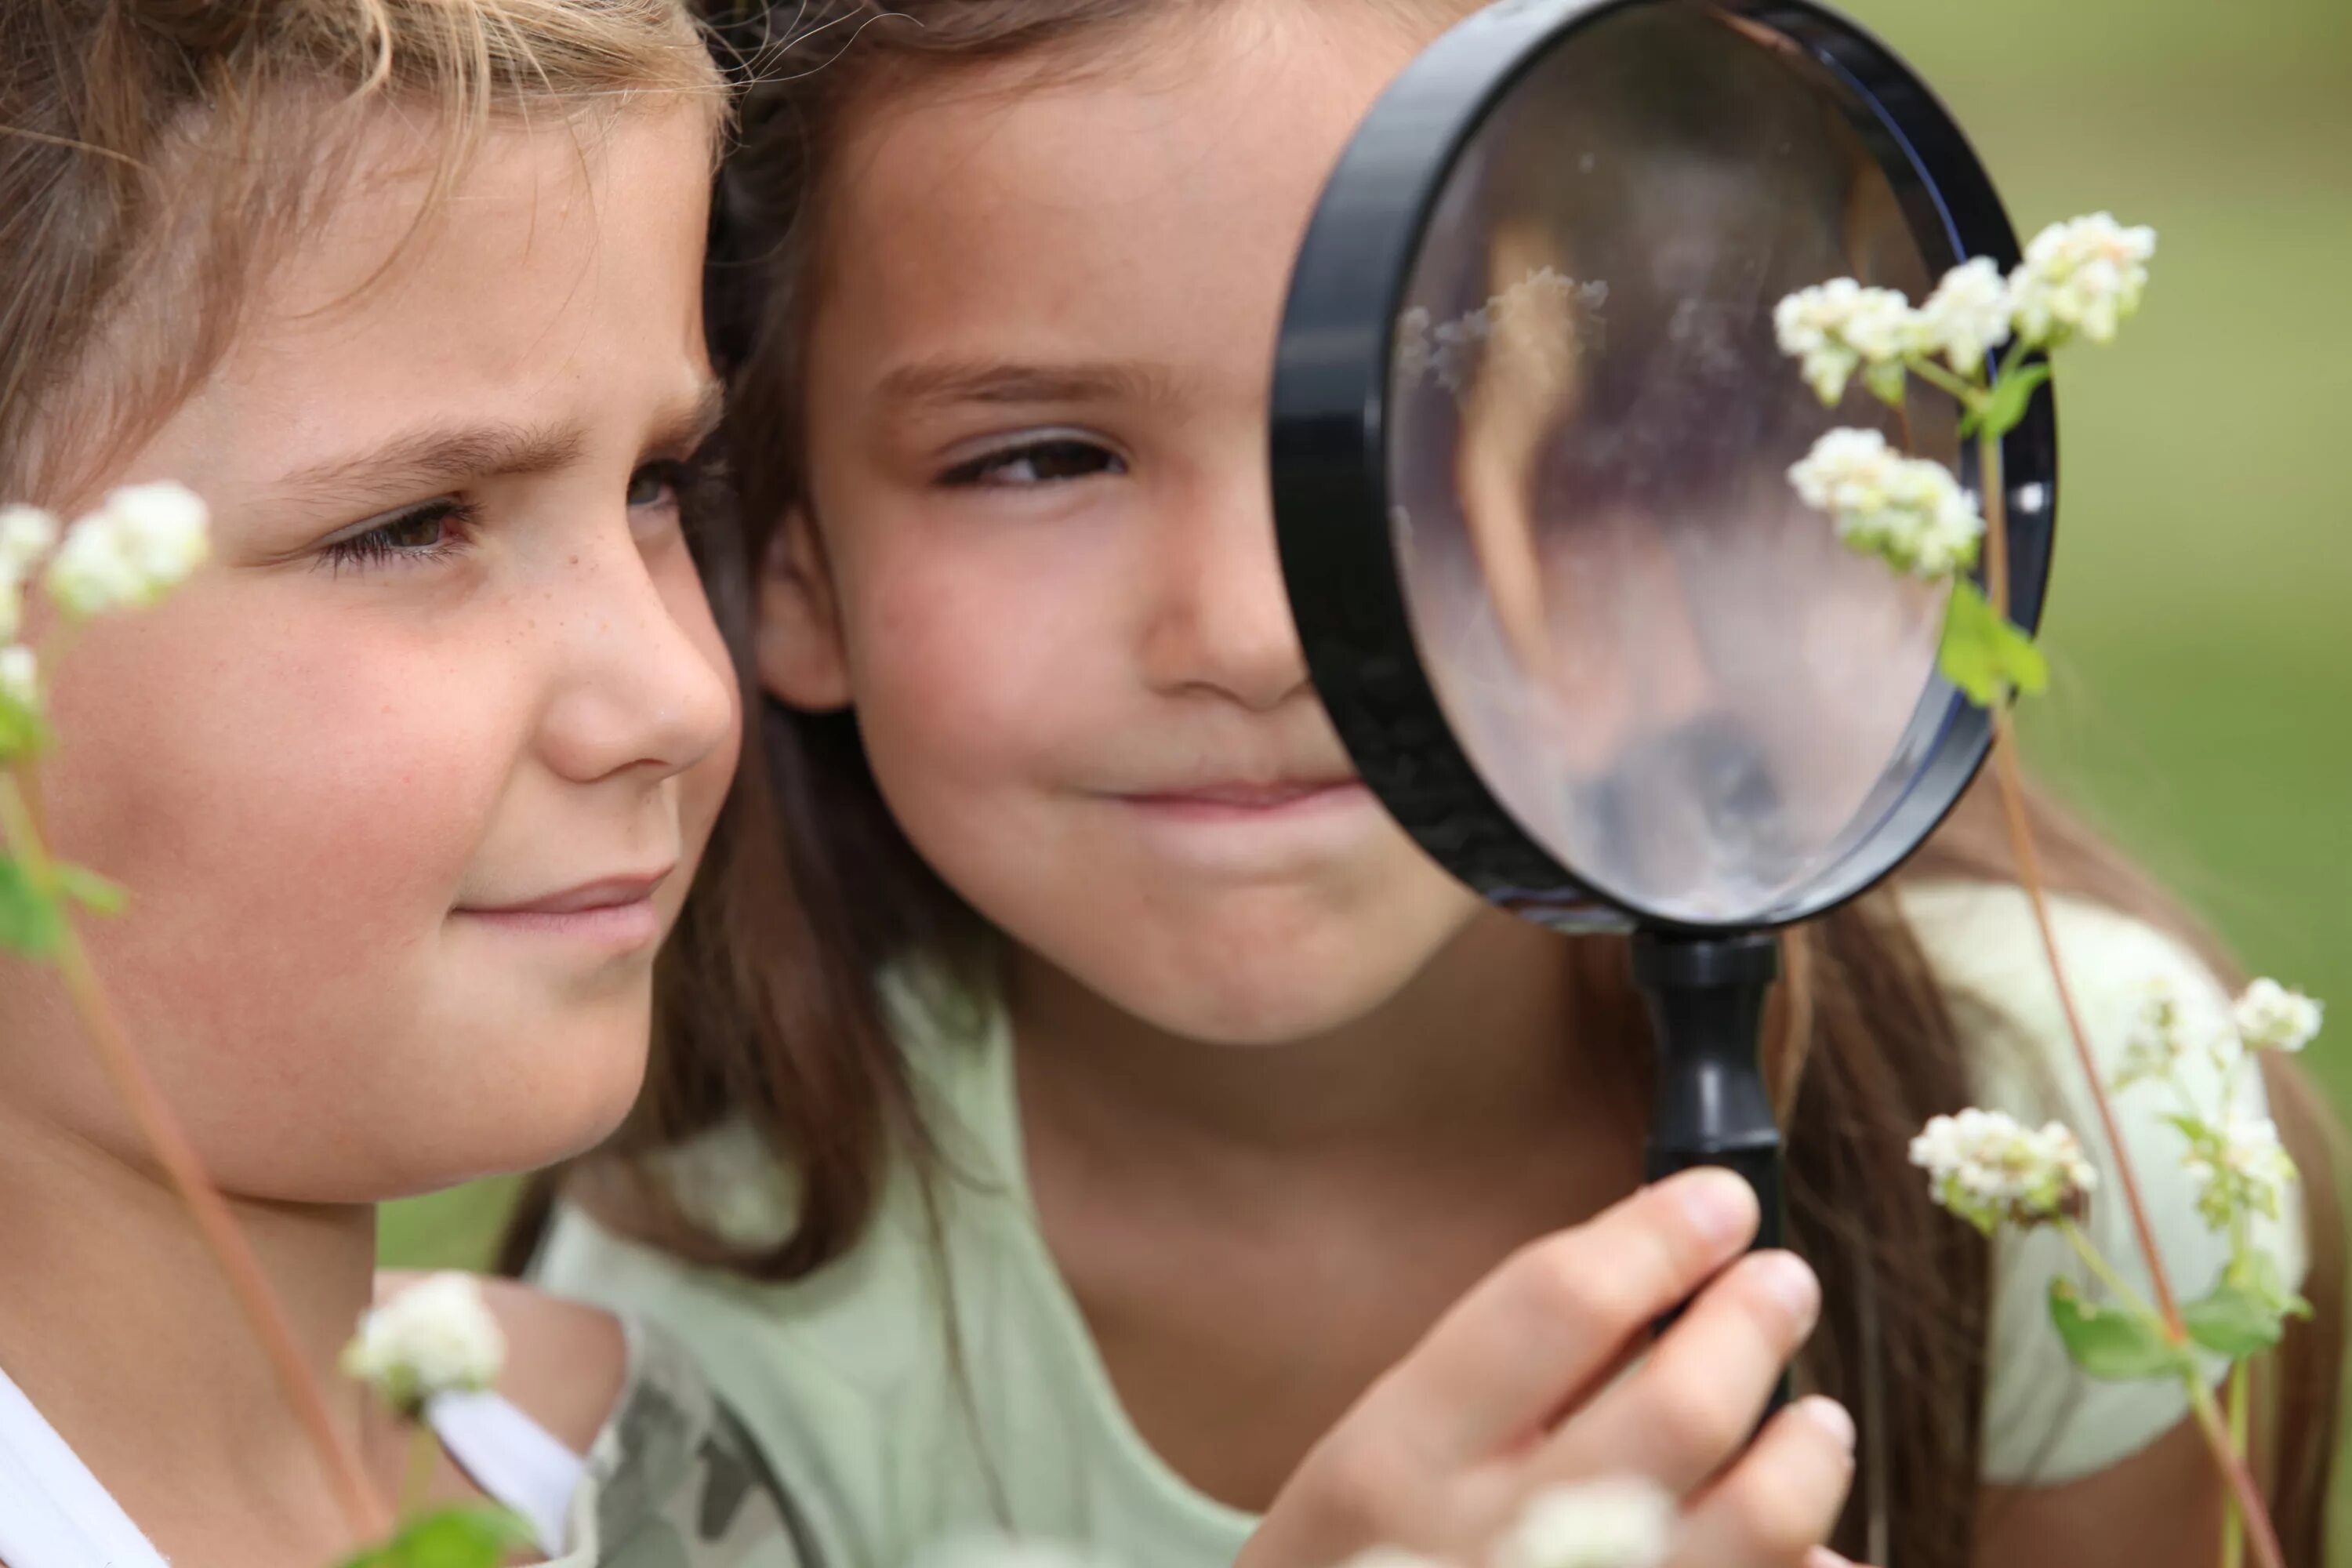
(308, 785)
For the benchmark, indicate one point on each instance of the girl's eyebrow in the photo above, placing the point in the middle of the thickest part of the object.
(435, 456)
(939, 383)
(440, 454)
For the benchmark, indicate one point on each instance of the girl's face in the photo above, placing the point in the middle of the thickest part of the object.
(409, 782)
(1047, 576)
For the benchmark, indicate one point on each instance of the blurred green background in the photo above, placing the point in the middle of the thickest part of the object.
(2201, 618)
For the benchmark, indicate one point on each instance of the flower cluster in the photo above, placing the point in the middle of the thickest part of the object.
(2084, 275)
(2270, 1018)
(1908, 511)
(2240, 1167)
(1988, 1168)
(1839, 327)
(2159, 1040)
(436, 1337)
(143, 541)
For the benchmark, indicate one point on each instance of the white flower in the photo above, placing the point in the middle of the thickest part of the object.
(1967, 317)
(144, 539)
(2270, 1018)
(1613, 1523)
(1987, 1167)
(1910, 512)
(2083, 275)
(26, 534)
(2240, 1167)
(2157, 1042)
(436, 1337)
(20, 676)
(1837, 327)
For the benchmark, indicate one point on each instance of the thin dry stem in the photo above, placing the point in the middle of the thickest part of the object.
(230, 1250)
(2236, 1470)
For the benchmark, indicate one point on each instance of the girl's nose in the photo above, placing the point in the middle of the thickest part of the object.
(637, 690)
(1220, 619)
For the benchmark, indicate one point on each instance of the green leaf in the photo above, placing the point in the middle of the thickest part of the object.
(2234, 1321)
(30, 920)
(473, 1536)
(90, 890)
(2257, 1270)
(1984, 655)
(2111, 1345)
(2004, 409)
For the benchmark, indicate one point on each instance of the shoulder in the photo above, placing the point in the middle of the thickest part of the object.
(1985, 949)
(566, 1366)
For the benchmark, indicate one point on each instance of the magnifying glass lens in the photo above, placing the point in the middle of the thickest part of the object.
(1663, 664)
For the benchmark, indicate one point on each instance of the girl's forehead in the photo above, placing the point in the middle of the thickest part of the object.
(1088, 200)
(546, 285)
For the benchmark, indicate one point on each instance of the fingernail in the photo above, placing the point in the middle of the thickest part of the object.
(1832, 1418)
(1784, 1276)
(1721, 1205)
(1823, 1557)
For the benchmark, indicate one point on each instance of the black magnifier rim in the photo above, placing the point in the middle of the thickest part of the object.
(1329, 447)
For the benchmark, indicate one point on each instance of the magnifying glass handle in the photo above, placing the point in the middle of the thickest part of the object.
(1707, 1005)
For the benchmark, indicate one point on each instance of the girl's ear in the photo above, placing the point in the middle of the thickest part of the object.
(802, 659)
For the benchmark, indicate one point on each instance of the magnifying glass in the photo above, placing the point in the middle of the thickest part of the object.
(1531, 433)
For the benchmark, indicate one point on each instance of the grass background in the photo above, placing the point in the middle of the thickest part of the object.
(2201, 614)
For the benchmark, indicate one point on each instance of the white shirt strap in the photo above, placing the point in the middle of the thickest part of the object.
(53, 1512)
(514, 1459)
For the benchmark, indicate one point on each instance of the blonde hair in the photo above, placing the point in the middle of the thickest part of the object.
(158, 157)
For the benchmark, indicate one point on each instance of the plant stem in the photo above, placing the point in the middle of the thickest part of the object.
(2244, 1492)
(2104, 1271)
(424, 1460)
(2233, 1519)
(1966, 395)
(2029, 871)
(2236, 1473)
(169, 1142)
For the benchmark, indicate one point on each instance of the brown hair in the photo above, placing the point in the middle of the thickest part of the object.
(157, 157)
(773, 1014)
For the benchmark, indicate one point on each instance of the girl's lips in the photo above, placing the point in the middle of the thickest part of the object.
(615, 912)
(637, 923)
(1251, 802)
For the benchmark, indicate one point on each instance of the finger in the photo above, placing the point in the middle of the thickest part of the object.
(1531, 1337)
(1780, 1502)
(1686, 1411)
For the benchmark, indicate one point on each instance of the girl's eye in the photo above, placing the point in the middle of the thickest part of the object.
(1056, 461)
(656, 484)
(425, 532)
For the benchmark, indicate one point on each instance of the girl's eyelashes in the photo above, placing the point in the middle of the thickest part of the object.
(438, 529)
(663, 483)
(431, 531)
(1056, 458)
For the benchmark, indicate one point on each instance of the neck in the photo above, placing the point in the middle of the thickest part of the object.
(121, 1331)
(1476, 1060)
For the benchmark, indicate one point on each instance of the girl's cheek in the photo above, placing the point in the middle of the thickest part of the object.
(278, 815)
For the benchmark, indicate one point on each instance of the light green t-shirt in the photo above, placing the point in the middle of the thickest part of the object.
(847, 1378)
